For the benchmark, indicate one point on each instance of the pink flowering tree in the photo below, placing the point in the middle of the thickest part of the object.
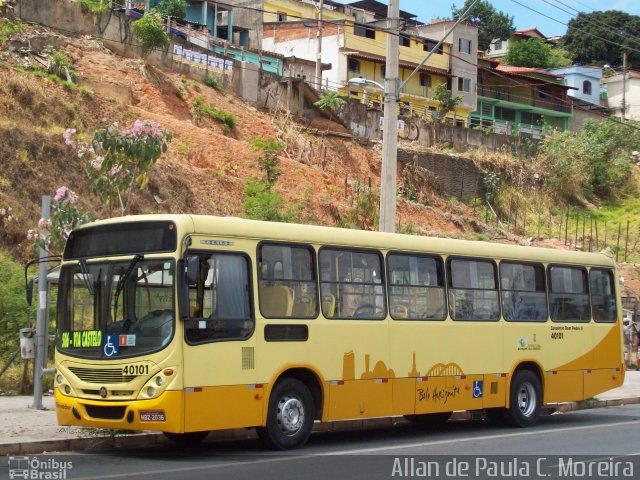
(52, 233)
(119, 160)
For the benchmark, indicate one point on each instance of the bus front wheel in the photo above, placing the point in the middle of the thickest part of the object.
(525, 399)
(289, 416)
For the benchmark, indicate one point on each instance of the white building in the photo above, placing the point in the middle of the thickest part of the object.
(615, 85)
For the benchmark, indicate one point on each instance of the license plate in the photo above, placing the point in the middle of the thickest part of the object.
(152, 416)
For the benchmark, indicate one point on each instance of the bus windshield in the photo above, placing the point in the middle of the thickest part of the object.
(117, 309)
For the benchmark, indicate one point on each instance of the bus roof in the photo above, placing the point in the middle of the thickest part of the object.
(261, 230)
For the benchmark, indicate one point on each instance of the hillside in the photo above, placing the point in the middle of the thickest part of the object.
(204, 170)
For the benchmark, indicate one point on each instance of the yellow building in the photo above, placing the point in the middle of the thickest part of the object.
(354, 43)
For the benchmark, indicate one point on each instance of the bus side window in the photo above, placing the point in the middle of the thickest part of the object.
(220, 301)
(524, 297)
(355, 279)
(416, 287)
(473, 289)
(568, 294)
(287, 285)
(603, 295)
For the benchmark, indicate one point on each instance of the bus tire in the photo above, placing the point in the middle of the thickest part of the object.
(190, 438)
(525, 399)
(429, 419)
(290, 416)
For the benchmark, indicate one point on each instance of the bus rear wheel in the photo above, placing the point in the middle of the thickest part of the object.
(190, 438)
(429, 419)
(289, 416)
(525, 399)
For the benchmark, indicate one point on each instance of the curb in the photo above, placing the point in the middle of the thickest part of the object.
(149, 439)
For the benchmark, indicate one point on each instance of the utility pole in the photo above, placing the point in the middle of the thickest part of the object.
(319, 51)
(388, 172)
(624, 85)
(42, 327)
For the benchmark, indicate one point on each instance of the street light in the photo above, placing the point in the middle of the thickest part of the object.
(360, 81)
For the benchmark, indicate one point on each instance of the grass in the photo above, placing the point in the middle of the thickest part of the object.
(8, 29)
(94, 6)
(200, 110)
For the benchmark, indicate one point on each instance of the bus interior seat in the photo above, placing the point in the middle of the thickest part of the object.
(328, 305)
(303, 308)
(276, 301)
(399, 311)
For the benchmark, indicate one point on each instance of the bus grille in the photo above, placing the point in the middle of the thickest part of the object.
(248, 362)
(107, 413)
(110, 375)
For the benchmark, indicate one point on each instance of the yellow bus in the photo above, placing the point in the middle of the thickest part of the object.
(186, 324)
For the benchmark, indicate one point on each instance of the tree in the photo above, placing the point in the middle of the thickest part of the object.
(619, 28)
(491, 23)
(446, 101)
(330, 101)
(559, 58)
(150, 32)
(118, 161)
(173, 8)
(533, 52)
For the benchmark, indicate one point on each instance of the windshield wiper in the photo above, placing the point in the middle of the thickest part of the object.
(121, 280)
(85, 276)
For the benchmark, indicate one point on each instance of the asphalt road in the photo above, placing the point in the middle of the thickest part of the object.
(559, 446)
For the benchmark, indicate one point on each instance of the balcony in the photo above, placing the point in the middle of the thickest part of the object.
(547, 103)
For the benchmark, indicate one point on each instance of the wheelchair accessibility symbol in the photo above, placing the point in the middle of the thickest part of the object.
(111, 345)
(477, 388)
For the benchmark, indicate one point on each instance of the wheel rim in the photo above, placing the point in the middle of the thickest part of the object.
(526, 399)
(290, 415)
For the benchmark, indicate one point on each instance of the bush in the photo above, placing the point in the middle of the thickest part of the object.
(94, 6)
(261, 202)
(173, 8)
(14, 311)
(269, 162)
(213, 81)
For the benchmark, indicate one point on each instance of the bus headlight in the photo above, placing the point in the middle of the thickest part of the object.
(67, 389)
(150, 391)
(59, 379)
(159, 380)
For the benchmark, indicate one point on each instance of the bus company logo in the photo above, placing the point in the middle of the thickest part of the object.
(524, 344)
(41, 469)
(103, 392)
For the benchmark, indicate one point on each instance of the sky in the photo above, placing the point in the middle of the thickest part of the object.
(523, 17)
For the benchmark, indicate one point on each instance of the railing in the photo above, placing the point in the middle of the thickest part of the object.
(505, 94)
(417, 90)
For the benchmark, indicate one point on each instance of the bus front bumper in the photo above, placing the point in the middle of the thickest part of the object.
(164, 413)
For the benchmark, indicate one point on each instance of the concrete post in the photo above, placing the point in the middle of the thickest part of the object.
(388, 171)
(42, 327)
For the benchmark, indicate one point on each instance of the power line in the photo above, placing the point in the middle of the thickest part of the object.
(592, 21)
(576, 28)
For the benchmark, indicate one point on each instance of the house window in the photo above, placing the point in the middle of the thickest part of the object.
(530, 118)
(497, 45)
(464, 84)
(486, 109)
(362, 31)
(429, 45)
(505, 114)
(282, 17)
(405, 41)
(354, 65)
(425, 80)
(464, 45)
(383, 71)
(586, 87)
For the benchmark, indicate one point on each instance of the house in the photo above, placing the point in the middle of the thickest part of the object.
(630, 85)
(463, 63)
(520, 100)
(585, 94)
(355, 48)
(499, 47)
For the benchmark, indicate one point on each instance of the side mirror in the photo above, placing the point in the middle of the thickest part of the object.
(192, 270)
(189, 269)
(29, 292)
